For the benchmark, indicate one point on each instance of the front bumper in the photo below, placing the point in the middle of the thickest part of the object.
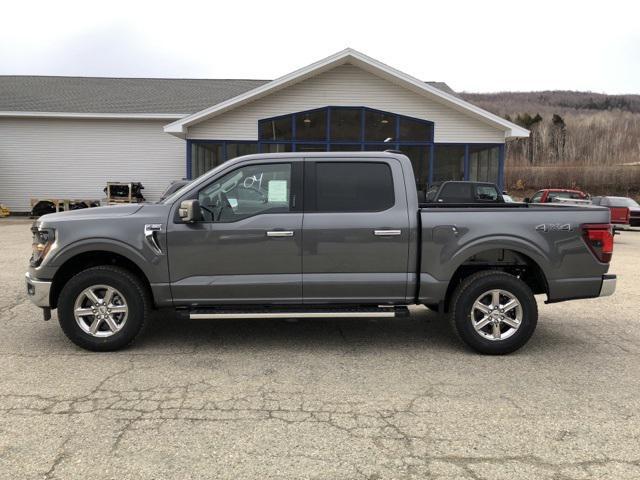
(38, 291)
(608, 285)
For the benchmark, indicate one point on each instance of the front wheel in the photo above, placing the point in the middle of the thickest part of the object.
(103, 308)
(494, 312)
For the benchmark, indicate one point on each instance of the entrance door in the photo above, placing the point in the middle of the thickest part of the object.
(355, 232)
(247, 246)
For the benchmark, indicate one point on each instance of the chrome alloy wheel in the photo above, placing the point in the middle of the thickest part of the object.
(496, 315)
(100, 311)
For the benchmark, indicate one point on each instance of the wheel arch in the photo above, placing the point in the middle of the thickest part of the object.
(510, 260)
(84, 259)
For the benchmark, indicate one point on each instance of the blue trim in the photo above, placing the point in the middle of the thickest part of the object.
(188, 159)
(466, 162)
(293, 126)
(501, 166)
(432, 153)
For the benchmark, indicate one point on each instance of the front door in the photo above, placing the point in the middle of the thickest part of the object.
(355, 232)
(247, 246)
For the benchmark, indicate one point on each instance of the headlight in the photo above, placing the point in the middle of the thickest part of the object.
(43, 238)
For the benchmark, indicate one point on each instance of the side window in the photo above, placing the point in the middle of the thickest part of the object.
(353, 187)
(536, 198)
(455, 192)
(486, 193)
(247, 191)
(431, 193)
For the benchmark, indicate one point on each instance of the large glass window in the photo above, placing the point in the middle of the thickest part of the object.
(346, 124)
(359, 125)
(358, 129)
(448, 163)
(205, 156)
(276, 147)
(346, 147)
(311, 147)
(276, 128)
(483, 163)
(311, 125)
(353, 187)
(247, 191)
(379, 126)
(378, 147)
(239, 149)
(415, 130)
(419, 156)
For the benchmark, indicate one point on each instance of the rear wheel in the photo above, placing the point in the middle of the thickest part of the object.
(103, 308)
(494, 312)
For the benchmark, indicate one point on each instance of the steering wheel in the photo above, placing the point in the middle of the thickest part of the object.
(224, 203)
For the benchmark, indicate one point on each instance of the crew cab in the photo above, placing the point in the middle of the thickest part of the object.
(338, 234)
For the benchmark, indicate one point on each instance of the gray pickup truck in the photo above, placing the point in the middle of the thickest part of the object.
(315, 235)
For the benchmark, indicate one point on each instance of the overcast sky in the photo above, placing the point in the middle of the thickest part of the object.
(478, 46)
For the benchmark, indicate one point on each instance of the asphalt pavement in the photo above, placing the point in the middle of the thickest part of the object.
(325, 399)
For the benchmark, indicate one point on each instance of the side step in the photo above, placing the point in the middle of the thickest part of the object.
(299, 312)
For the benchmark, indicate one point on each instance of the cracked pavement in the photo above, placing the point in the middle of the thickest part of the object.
(325, 399)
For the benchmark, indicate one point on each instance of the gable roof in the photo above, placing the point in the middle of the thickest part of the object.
(166, 98)
(353, 57)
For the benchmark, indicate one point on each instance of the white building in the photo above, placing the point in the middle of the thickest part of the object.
(65, 137)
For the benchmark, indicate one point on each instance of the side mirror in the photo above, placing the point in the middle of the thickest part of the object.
(189, 211)
(526, 200)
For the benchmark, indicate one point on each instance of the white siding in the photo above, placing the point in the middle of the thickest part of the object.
(349, 86)
(75, 158)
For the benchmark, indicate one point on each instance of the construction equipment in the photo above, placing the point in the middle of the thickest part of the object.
(119, 192)
(42, 206)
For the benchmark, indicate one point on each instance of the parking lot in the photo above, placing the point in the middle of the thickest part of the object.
(327, 399)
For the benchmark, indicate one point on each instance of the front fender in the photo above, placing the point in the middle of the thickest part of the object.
(148, 263)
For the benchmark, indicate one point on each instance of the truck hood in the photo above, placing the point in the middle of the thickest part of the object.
(91, 213)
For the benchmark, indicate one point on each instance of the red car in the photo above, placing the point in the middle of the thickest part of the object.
(549, 195)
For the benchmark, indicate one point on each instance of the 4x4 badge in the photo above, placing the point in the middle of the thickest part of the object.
(554, 227)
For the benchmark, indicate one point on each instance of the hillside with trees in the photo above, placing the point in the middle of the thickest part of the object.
(582, 140)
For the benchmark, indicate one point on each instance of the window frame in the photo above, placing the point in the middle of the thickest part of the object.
(310, 184)
(296, 193)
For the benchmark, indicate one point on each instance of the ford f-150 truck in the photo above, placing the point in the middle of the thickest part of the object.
(315, 235)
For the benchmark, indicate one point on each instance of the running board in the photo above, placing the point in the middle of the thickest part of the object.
(217, 314)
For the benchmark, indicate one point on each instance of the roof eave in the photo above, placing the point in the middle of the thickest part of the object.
(86, 115)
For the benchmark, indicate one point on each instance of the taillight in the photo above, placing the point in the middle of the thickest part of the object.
(599, 239)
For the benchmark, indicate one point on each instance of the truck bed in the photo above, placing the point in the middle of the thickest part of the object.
(548, 235)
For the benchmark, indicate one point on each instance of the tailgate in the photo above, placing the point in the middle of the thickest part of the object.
(619, 214)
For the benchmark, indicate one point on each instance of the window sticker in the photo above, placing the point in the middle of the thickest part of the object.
(277, 191)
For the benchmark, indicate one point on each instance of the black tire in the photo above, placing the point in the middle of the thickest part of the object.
(128, 284)
(471, 289)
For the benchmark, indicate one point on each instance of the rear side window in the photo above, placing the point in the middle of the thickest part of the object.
(486, 193)
(456, 193)
(353, 187)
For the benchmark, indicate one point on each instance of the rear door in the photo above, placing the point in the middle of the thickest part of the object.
(355, 231)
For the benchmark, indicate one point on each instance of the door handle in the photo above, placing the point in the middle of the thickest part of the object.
(387, 233)
(280, 233)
